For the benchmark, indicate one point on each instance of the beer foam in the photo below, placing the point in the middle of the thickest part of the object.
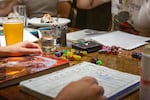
(14, 21)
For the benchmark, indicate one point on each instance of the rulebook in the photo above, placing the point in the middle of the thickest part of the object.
(116, 83)
(16, 69)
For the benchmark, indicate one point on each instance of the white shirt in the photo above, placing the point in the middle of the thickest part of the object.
(143, 19)
(36, 8)
(135, 12)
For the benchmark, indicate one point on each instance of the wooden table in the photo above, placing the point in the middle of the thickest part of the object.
(123, 62)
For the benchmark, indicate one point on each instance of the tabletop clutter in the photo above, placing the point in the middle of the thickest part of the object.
(55, 36)
(52, 34)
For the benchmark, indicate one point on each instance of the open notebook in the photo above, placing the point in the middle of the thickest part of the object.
(26, 36)
(116, 38)
(116, 83)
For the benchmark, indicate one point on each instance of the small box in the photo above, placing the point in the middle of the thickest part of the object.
(89, 46)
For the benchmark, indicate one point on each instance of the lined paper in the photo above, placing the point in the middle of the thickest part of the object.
(113, 81)
(116, 38)
(121, 39)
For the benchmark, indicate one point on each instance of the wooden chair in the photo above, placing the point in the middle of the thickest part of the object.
(73, 14)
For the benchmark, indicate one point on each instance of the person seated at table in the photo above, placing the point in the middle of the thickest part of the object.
(38, 8)
(55, 8)
(86, 88)
(132, 16)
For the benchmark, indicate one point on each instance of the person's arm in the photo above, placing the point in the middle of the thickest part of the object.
(20, 49)
(86, 88)
(7, 6)
(89, 4)
(64, 8)
(142, 23)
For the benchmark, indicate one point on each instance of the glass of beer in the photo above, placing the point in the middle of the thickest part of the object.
(13, 30)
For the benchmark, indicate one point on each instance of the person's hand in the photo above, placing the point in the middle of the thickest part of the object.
(19, 49)
(84, 89)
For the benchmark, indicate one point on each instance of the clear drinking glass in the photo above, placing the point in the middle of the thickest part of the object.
(20, 10)
(49, 39)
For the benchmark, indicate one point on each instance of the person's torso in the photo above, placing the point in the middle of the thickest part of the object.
(124, 12)
(37, 8)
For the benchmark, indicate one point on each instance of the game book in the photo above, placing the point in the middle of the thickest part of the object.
(16, 69)
(116, 83)
(89, 46)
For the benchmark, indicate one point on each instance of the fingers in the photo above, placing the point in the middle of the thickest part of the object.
(31, 48)
(93, 84)
(32, 51)
(102, 98)
(89, 79)
(98, 89)
(28, 44)
(87, 87)
(101, 90)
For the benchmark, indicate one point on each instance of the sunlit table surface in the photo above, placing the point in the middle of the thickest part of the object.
(123, 62)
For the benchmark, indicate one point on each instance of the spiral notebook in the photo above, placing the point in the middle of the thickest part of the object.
(116, 83)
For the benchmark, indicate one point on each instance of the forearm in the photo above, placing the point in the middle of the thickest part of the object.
(4, 51)
(89, 4)
(4, 9)
(7, 7)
